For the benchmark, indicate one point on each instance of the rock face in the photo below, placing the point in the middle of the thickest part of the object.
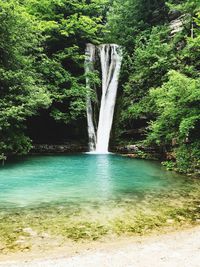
(138, 151)
(174, 14)
(177, 25)
(133, 148)
(52, 149)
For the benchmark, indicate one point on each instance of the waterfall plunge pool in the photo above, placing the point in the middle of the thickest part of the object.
(89, 196)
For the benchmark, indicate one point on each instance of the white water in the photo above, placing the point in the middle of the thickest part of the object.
(110, 63)
(89, 67)
(111, 58)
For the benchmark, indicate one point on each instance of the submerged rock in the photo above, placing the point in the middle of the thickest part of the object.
(30, 231)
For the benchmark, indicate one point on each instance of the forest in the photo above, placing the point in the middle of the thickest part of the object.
(42, 79)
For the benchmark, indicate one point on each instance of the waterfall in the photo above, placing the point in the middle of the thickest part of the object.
(89, 67)
(110, 59)
(110, 64)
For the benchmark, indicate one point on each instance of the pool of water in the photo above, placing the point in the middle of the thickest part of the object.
(82, 178)
(52, 199)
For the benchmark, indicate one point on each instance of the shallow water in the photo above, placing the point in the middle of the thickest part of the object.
(82, 178)
(56, 198)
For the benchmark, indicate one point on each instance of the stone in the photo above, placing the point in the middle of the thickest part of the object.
(63, 148)
(44, 235)
(30, 231)
(174, 14)
(170, 221)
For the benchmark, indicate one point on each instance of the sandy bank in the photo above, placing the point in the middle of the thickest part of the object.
(179, 249)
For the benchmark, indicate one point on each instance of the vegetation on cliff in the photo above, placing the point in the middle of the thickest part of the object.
(161, 81)
(41, 63)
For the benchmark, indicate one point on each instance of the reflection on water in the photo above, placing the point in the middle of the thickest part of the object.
(103, 181)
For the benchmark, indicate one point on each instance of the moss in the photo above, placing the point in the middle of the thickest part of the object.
(21, 229)
(85, 230)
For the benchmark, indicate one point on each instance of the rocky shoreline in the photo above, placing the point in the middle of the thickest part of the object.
(138, 151)
(134, 151)
(58, 148)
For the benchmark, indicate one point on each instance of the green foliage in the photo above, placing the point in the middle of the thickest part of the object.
(188, 158)
(69, 25)
(160, 75)
(22, 90)
(126, 20)
(41, 62)
(152, 57)
(169, 165)
(177, 103)
(186, 6)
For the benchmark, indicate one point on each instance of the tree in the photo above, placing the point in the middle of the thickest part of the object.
(22, 90)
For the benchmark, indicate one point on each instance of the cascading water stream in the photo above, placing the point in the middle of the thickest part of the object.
(110, 63)
(110, 58)
(89, 67)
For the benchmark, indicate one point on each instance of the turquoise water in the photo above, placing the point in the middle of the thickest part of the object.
(37, 180)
